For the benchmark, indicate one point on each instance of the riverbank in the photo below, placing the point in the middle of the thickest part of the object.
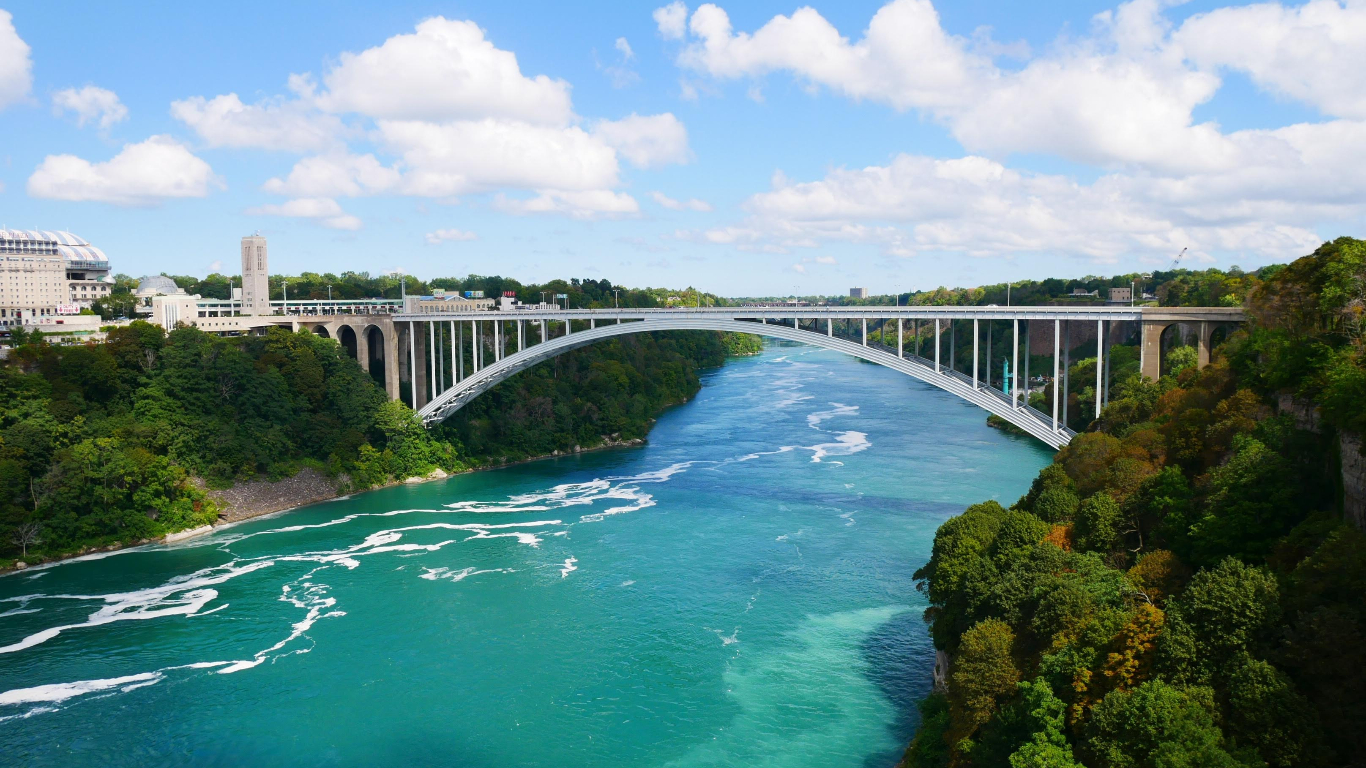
(257, 498)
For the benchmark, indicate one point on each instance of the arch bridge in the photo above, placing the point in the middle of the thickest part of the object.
(456, 356)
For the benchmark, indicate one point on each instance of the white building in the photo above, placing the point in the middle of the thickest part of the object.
(255, 276)
(45, 273)
(858, 293)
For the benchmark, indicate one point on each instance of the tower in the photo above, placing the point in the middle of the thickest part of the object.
(255, 276)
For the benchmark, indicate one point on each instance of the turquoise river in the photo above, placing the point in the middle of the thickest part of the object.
(736, 593)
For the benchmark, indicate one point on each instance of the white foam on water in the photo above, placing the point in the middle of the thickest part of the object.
(731, 639)
(569, 567)
(814, 420)
(433, 574)
(628, 582)
(846, 443)
(38, 575)
(58, 692)
(181, 596)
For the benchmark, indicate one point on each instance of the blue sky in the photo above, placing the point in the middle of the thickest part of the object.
(744, 149)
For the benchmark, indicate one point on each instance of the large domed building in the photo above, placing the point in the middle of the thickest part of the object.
(49, 272)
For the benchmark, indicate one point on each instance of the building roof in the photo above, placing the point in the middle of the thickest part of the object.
(71, 247)
(158, 285)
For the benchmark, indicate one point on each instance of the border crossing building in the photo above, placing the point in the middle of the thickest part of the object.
(45, 273)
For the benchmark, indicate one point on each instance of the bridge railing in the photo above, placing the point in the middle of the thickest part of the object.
(1044, 419)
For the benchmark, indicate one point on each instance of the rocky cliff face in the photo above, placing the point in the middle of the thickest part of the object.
(1353, 480)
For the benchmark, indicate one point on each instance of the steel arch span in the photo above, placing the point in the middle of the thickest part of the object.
(1033, 422)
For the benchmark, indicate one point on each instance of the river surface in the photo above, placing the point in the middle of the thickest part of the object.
(736, 593)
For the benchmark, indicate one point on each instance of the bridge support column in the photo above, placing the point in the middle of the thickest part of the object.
(976, 334)
(1150, 349)
(865, 331)
(393, 361)
(1028, 327)
(521, 335)
(474, 345)
(459, 351)
(899, 340)
(592, 323)
(1066, 369)
(915, 332)
(1100, 353)
(936, 345)
(438, 361)
(363, 348)
(430, 363)
(412, 365)
(1015, 365)
(953, 345)
(829, 328)
(419, 374)
(1202, 344)
(1057, 345)
(1109, 326)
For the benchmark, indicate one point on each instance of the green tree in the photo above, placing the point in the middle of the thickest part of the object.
(1156, 725)
(983, 672)
(1224, 611)
(1099, 523)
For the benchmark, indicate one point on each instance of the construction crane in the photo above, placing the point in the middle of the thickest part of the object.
(1177, 260)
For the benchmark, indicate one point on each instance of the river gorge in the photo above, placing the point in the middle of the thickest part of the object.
(738, 592)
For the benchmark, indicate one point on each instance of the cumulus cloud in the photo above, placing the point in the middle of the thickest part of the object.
(589, 204)
(16, 69)
(978, 207)
(1124, 94)
(279, 124)
(325, 211)
(672, 20)
(445, 159)
(444, 70)
(337, 174)
(621, 73)
(449, 235)
(90, 104)
(646, 141)
(1314, 53)
(140, 174)
(680, 205)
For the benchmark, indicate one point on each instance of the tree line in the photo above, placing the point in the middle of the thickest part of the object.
(1180, 587)
(119, 441)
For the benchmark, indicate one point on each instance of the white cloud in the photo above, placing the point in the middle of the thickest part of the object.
(444, 70)
(449, 235)
(621, 73)
(90, 104)
(140, 174)
(680, 205)
(798, 268)
(444, 159)
(826, 260)
(224, 121)
(337, 174)
(1314, 53)
(672, 20)
(979, 207)
(324, 210)
(1122, 95)
(646, 141)
(589, 204)
(16, 69)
